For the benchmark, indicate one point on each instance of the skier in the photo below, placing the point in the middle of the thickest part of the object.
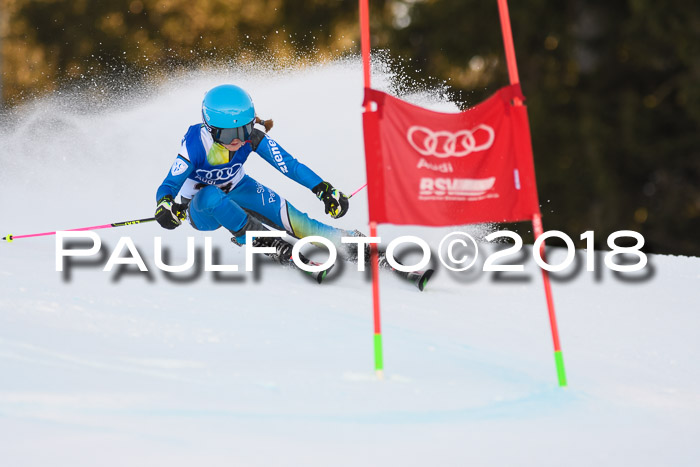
(215, 191)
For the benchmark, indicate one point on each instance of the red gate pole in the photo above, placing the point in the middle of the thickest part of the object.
(365, 44)
(536, 218)
(374, 261)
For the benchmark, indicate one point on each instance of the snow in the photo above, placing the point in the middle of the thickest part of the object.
(141, 369)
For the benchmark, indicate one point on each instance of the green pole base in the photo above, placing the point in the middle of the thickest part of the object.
(378, 353)
(561, 372)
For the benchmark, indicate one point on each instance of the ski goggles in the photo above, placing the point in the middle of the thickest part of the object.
(227, 135)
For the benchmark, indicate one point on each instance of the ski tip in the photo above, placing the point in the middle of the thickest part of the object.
(423, 280)
(319, 276)
(323, 274)
(8, 238)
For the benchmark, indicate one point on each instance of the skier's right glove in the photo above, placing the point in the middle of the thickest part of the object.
(336, 202)
(168, 213)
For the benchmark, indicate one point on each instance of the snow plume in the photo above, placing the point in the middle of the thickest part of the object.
(80, 146)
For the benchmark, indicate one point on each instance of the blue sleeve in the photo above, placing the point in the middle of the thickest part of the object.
(172, 184)
(280, 159)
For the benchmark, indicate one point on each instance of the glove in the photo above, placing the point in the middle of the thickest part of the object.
(168, 213)
(336, 202)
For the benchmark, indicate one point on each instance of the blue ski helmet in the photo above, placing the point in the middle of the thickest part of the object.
(228, 113)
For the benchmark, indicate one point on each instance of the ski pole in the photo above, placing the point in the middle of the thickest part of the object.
(357, 191)
(10, 238)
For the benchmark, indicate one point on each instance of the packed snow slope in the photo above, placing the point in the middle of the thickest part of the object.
(146, 369)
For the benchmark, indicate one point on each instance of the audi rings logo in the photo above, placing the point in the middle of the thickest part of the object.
(444, 144)
(218, 175)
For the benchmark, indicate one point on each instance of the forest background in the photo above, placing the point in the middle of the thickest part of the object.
(613, 88)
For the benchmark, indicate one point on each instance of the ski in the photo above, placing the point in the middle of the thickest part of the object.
(418, 278)
(318, 276)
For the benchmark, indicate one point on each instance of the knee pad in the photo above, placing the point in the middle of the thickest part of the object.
(208, 199)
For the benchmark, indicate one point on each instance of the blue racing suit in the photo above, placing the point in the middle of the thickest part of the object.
(220, 193)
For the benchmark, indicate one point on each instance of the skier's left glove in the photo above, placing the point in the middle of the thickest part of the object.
(168, 213)
(336, 202)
